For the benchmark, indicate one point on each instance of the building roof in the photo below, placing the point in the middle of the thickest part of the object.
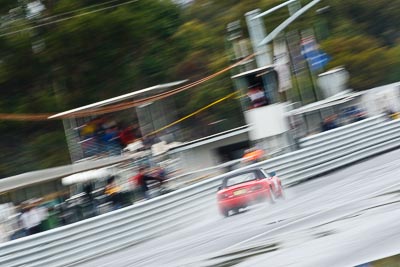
(146, 91)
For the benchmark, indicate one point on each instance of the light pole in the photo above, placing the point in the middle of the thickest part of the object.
(257, 32)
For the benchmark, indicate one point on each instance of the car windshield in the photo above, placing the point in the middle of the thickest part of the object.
(240, 178)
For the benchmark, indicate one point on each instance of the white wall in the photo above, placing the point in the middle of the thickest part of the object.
(375, 100)
(267, 121)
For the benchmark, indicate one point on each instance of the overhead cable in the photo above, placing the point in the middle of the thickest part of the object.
(63, 13)
(124, 105)
(68, 18)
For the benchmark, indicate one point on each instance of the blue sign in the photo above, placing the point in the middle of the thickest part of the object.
(316, 58)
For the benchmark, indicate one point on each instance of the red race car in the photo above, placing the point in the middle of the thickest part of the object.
(243, 188)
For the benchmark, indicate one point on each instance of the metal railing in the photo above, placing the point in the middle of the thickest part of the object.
(338, 132)
(110, 232)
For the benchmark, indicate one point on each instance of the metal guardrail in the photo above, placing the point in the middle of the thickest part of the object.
(335, 133)
(107, 233)
(188, 178)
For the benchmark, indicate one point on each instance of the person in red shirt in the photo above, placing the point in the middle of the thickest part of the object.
(126, 136)
(141, 179)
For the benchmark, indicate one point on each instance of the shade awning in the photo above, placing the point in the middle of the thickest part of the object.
(328, 102)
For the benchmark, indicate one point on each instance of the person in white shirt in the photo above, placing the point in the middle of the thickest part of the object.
(3, 235)
(31, 219)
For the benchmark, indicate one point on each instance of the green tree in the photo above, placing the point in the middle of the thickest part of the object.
(75, 62)
(367, 61)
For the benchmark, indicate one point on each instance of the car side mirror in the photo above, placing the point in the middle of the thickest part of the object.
(272, 174)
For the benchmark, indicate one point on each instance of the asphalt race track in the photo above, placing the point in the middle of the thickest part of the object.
(345, 218)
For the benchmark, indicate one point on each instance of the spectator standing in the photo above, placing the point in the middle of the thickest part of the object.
(111, 141)
(141, 179)
(31, 220)
(3, 235)
(329, 123)
(126, 136)
(43, 213)
(161, 173)
(112, 190)
(88, 136)
(257, 96)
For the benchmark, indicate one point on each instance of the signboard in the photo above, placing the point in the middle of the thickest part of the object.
(316, 58)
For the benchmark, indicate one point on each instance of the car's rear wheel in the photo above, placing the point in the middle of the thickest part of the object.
(225, 212)
(282, 193)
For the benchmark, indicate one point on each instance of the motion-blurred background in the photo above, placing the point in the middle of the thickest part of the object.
(57, 55)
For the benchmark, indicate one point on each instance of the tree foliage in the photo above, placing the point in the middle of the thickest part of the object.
(364, 56)
(76, 62)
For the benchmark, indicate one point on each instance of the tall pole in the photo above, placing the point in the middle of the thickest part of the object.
(263, 52)
(257, 33)
(288, 21)
(293, 7)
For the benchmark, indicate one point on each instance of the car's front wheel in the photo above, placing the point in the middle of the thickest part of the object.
(236, 210)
